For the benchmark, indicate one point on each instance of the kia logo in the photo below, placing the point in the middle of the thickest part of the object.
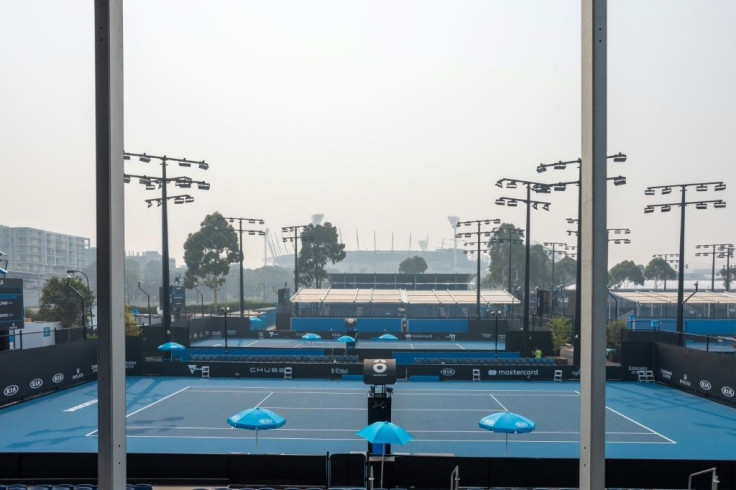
(726, 390)
(58, 378)
(36, 383)
(705, 384)
(448, 372)
(11, 390)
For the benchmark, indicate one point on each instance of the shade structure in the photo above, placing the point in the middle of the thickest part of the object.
(311, 336)
(346, 338)
(507, 423)
(256, 419)
(388, 336)
(384, 433)
(169, 346)
(255, 322)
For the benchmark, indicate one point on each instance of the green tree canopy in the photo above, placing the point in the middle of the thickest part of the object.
(625, 272)
(727, 276)
(209, 252)
(658, 269)
(319, 244)
(507, 244)
(60, 303)
(566, 271)
(561, 329)
(413, 265)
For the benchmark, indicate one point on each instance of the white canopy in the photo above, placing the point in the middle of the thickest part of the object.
(431, 297)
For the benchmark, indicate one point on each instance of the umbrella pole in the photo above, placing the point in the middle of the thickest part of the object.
(507, 444)
(383, 457)
(257, 438)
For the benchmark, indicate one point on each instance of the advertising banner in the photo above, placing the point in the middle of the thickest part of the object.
(707, 374)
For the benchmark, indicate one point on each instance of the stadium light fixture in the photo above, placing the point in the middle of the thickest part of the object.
(700, 204)
(240, 230)
(162, 183)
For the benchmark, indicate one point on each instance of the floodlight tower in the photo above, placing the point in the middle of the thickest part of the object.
(665, 190)
(152, 183)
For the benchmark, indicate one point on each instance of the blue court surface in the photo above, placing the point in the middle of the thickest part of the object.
(403, 345)
(188, 415)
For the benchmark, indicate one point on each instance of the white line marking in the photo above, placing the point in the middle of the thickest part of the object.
(501, 404)
(358, 439)
(81, 406)
(147, 406)
(461, 347)
(157, 401)
(261, 402)
(641, 425)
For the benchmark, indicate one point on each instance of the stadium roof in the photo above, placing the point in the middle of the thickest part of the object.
(432, 297)
(670, 297)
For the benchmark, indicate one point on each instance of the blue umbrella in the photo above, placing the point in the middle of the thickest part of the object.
(255, 322)
(346, 338)
(256, 419)
(171, 346)
(310, 336)
(507, 423)
(384, 433)
(388, 336)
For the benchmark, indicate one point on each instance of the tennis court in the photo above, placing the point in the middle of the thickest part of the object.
(403, 345)
(188, 415)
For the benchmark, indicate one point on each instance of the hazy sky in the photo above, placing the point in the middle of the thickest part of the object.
(386, 116)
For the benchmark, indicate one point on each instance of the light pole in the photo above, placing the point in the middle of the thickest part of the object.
(84, 308)
(89, 292)
(668, 259)
(162, 182)
(530, 203)
(717, 203)
(561, 165)
(250, 232)
(561, 252)
(225, 310)
(478, 234)
(148, 297)
(495, 349)
(728, 253)
(721, 247)
(201, 297)
(511, 232)
(295, 239)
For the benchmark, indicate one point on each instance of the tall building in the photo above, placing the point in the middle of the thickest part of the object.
(42, 252)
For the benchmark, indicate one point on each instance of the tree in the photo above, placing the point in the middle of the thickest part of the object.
(613, 334)
(566, 271)
(319, 245)
(60, 303)
(658, 269)
(728, 277)
(209, 252)
(131, 326)
(413, 265)
(561, 329)
(625, 272)
(503, 251)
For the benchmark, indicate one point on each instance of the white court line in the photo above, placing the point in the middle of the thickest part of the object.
(461, 347)
(147, 406)
(252, 343)
(271, 390)
(261, 402)
(358, 439)
(501, 404)
(641, 425)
